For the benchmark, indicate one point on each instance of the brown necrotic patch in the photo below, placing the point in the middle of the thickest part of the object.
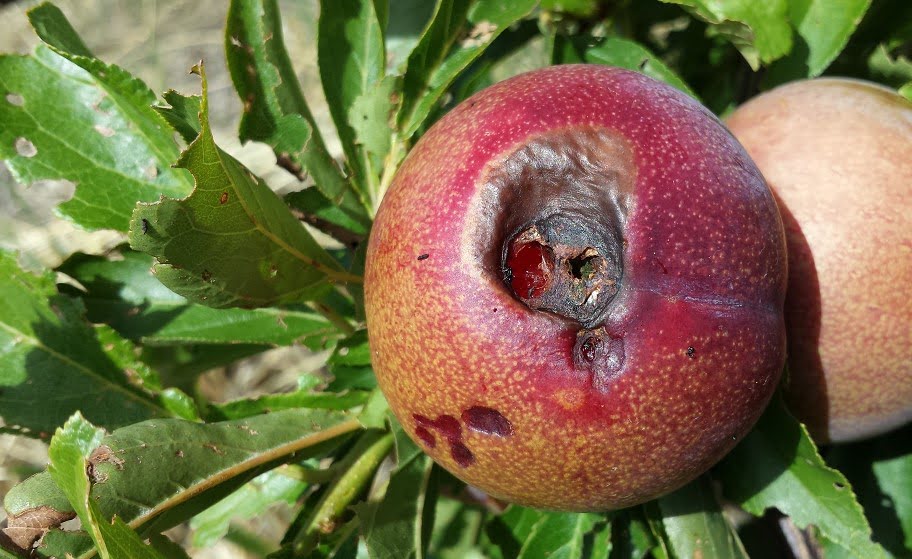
(551, 219)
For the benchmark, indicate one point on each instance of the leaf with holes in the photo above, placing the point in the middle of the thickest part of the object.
(352, 58)
(777, 465)
(72, 453)
(275, 111)
(232, 242)
(53, 363)
(205, 463)
(67, 115)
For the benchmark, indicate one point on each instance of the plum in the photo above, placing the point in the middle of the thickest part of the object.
(838, 155)
(574, 290)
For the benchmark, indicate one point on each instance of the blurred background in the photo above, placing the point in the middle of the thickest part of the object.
(158, 41)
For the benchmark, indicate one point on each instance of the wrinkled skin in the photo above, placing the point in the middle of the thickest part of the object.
(574, 290)
(838, 154)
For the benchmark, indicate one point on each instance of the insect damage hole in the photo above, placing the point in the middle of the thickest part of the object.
(583, 266)
(25, 148)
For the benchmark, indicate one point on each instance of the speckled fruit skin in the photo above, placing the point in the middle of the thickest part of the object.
(838, 154)
(496, 392)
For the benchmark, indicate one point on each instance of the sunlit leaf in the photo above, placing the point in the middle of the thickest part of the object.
(123, 293)
(232, 242)
(67, 115)
(275, 109)
(204, 462)
(72, 451)
(691, 524)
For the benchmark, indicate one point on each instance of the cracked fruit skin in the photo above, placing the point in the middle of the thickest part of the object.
(574, 290)
(836, 153)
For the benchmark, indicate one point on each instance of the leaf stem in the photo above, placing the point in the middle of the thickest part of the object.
(335, 318)
(393, 159)
(359, 465)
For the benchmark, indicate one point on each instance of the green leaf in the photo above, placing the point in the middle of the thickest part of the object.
(399, 525)
(457, 528)
(631, 536)
(121, 292)
(906, 91)
(182, 113)
(72, 451)
(204, 463)
(317, 210)
(431, 71)
(623, 53)
(560, 535)
(299, 399)
(510, 530)
(251, 500)
(577, 8)
(691, 524)
(777, 465)
(889, 68)
(232, 242)
(167, 548)
(352, 58)
(760, 30)
(275, 109)
(53, 363)
(372, 115)
(67, 115)
(880, 470)
(825, 26)
(350, 364)
(53, 28)
(894, 476)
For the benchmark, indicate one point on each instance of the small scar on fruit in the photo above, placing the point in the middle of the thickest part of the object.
(600, 353)
(691, 352)
(424, 256)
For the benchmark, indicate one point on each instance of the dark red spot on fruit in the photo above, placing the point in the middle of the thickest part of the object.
(450, 429)
(531, 268)
(448, 426)
(488, 421)
(426, 436)
(461, 454)
(424, 256)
